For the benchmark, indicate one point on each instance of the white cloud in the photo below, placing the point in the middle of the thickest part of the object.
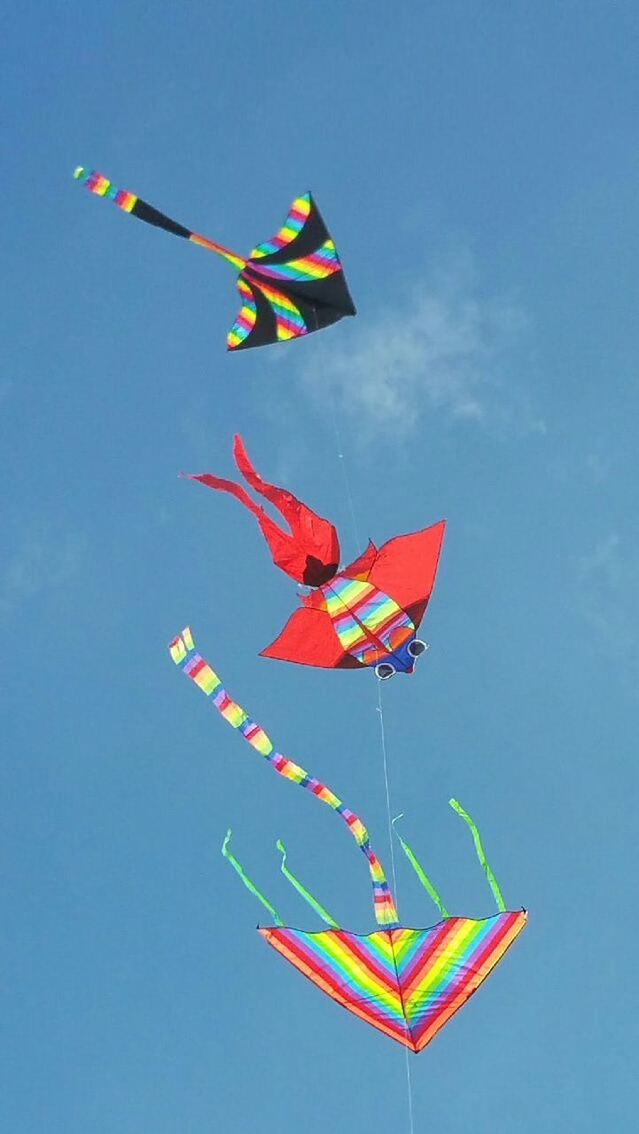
(609, 579)
(41, 562)
(446, 350)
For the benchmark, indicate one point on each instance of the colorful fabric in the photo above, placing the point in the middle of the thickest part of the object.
(309, 551)
(407, 983)
(369, 624)
(184, 654)
(360, 616)
(289, 286)
(370, 611)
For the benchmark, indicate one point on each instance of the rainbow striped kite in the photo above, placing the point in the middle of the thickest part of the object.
(407, 983)
(289, 286)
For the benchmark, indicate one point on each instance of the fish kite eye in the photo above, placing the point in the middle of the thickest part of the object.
(384, 670)
(416, 648)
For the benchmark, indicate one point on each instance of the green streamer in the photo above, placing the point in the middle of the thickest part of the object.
(247, 881)
(420, 872)
(497, 894)
(313, 902)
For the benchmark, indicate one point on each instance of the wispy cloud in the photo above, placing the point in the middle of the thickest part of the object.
(41, 561)
(609, 586)
(445, 349)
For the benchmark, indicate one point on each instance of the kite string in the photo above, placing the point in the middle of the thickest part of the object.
(389, 821)
(345, 477)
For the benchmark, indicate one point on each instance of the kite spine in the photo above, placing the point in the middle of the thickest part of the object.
(184, 654)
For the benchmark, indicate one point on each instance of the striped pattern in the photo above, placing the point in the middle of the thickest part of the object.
(368, 623)
(100, 185)
(297, 217)
(288, 318)
(317, 266)
(407, 983)
(245, 321)
(184, 654)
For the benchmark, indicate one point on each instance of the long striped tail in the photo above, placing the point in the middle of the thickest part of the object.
(184, 654)
(130, 203)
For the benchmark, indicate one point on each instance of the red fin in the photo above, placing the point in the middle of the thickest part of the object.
(309, 639)
(309, 553)
(361, 566)
(405, 569)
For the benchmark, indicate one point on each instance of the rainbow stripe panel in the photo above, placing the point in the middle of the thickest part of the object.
(184, 654)
(102, 187)
(407, 983)
(317, 266)
(297, 217)
(360, 612)
(288, 318)
(245, 321)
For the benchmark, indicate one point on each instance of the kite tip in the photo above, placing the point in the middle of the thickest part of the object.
(78, 172)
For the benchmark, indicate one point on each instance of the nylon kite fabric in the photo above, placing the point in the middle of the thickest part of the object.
(184, 654)
(407, 983)
(365, 614)
(289, 286)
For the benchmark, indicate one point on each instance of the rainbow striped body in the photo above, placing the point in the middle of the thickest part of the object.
(407, 983)
(369, 624)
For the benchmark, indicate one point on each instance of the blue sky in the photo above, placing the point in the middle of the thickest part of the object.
(477, 166)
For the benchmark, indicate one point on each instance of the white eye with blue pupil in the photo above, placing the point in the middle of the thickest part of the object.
(384, 670)
(416, 648)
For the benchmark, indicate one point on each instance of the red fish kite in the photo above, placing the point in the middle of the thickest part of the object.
(407, 983)
(366, 614)
(289, 286)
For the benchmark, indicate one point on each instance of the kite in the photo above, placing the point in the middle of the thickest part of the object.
(289, 286)
(407, 983)
(365, 614)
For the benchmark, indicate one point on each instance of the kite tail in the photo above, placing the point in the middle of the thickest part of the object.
(497, 894)
(239, 869)
(184, 654)
(305, 894)
(310, 552)
(315, 536)
(420, 872)
(100, 185)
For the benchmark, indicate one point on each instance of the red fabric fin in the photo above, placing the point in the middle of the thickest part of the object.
(310, 554)
(361, 566)
(406, 567)
(309, 639)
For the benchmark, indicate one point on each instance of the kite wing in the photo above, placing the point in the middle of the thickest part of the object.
(293, 284)
(407, 983)
(289, 286)
(405, 569)
(309, 638)
(309, 553)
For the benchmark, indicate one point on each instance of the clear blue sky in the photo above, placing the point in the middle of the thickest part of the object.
(477, 165)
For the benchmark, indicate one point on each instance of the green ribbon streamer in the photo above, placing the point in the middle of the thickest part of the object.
(295, 882)
(497, 894)
(420, 872)
(247, 881)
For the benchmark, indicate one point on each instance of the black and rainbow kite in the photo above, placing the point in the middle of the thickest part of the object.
(290, 285)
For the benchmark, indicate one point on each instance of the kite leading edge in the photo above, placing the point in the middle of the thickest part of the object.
(289, 286)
